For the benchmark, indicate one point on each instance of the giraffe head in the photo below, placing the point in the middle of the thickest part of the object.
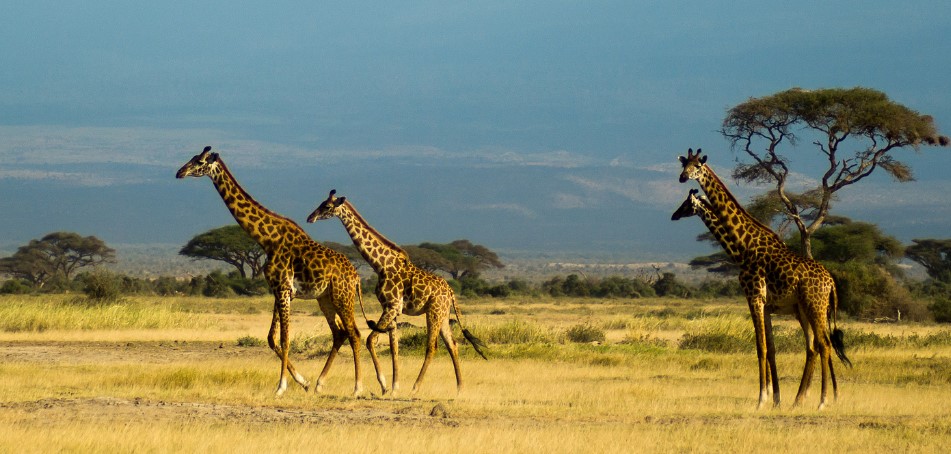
(693, 165)
(692, 206)
(202, 164)
(328, 208)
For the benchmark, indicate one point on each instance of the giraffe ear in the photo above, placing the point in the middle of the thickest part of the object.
(339, 201)
(703, 159)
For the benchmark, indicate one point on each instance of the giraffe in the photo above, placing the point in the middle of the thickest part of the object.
(775, 280)
(321, 272)
(402, 288)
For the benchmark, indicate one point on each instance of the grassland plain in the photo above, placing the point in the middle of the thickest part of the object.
(564, 375)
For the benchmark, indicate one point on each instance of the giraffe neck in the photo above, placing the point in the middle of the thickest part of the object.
(263, 225)
(722, 233)
(381, 253)
(730, 215)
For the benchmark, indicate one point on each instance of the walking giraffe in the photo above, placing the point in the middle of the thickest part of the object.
(402, 288)
(775, 280)
(321, 272)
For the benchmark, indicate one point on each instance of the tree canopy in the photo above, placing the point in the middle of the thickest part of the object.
(844, 240)
(58, 253)
(460, 258)
(229, 244)
(856, 129)
(934, 255)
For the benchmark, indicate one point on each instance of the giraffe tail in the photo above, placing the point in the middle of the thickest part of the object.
(838, 337)
(370, 323)
(476, 343)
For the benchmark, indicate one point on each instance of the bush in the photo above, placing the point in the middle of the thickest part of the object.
(16, 287)
(867, 291)
(101, 286)
(718, 287)
(585, 333)
(216, 285)
(613, 286)
(941, 309)
(250, 341)
(719, 335)
(668, 285)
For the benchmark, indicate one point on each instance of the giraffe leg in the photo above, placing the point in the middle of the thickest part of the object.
(285, 314)
(394, 335)
(757, 311)
(338, 334)
(281, 347)
(824, 349)
(771, 358)
(431, 333)
(453, 347)
(353, 334)
(339, 337)
(371, 348)
(810, 366)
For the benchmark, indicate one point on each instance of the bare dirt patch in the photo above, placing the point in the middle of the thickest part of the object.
(99, 352)
(54, 411)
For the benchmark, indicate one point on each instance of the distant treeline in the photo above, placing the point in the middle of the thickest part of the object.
(917, 302)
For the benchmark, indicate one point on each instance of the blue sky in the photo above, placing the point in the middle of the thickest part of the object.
(539, 125)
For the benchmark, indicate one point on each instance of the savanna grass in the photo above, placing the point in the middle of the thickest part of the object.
(44, 313)
(539, 392)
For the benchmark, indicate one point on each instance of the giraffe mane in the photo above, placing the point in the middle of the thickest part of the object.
(389, 244)
(739, 206)
(240, 189)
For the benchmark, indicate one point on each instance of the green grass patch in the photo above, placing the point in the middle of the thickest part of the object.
(516, 332)
(38, 314)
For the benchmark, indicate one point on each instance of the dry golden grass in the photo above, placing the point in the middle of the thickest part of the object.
(187, 386)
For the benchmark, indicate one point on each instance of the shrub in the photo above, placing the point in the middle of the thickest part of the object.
(250, 341)
(101, 286)
(219, 285)
(585, 333)
(668, 285)
(941, 309)
(719, 287)
(719, 335)
(15, 287)
(613, 286)
(868, 291)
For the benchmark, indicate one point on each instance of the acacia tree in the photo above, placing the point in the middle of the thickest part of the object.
(229, 244)
(427, 259)
(462, 258)
(857, 131)
(58, 253)
(934, 255)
